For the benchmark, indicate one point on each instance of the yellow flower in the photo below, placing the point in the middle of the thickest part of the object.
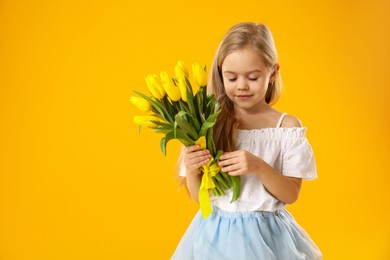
(200, 75)
(141, 104)
(170, 88)
(154, 85)
(146, 121)
(183, 91)
(181, 71)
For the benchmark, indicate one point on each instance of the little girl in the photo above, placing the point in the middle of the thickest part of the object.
(268, 149)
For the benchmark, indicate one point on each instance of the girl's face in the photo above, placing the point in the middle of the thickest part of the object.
(246, 78)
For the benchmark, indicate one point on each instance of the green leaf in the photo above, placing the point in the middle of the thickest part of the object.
(199, 101)
(187, 116)
(163, 146)
(190, 102)
(183, 138)
(216, 157)
(213, 117)
(210, 141)
(236, 184)
(190, 98)
(162, 124)
(203, 118)
(188, 83)
(209, 123)
(164, 141)
(183, 106)
(162, 130)
(159, 116)
(219, 153)
(172, 111)
(166, 114)
(194, 121)
(174, 129)
(210, 107)
(181, 113)
(204, 99)
(190, 118)
(186, 127)
(210, 97)
(206, 125)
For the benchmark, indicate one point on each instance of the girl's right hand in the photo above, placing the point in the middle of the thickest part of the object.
(194, 158)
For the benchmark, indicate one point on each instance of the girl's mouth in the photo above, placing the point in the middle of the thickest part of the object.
(243, 96)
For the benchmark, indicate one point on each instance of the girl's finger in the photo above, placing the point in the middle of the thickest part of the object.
(200, 159)
(198, 154)
(195, 167)
(228, 162)
(235, 173)
(201, 163)
(192, 148)
(230, 168)
(228, 155)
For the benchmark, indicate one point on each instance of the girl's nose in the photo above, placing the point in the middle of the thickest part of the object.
(242, 85)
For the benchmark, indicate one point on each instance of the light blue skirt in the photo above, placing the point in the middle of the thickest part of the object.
(246, 236)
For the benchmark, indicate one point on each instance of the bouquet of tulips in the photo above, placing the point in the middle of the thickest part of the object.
(181, 110)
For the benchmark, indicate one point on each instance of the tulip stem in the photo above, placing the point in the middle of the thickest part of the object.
(175, 103)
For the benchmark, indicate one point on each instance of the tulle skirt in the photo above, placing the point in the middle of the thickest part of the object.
(246, 236)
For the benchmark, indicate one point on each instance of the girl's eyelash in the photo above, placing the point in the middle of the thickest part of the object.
(233, 79)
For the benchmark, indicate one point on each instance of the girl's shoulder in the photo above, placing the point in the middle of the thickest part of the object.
(291, 121)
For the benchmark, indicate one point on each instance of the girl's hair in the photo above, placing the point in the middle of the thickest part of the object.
(240, 36)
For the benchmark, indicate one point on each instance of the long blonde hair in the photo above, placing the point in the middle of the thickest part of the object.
(240, 36)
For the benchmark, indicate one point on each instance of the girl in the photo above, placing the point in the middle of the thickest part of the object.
(268, 149)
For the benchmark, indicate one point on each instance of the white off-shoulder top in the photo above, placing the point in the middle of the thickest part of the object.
(286, 149)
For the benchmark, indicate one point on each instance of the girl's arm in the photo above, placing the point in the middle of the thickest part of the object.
(284, 188)
(194, 158)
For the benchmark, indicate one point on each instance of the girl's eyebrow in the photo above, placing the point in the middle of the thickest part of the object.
(232, 72)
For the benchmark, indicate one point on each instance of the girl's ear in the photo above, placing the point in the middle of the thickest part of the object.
(274, 70)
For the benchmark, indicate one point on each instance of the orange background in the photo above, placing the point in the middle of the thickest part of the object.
(78, 182)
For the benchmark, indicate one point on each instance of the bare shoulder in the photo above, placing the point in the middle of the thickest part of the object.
(291, 121)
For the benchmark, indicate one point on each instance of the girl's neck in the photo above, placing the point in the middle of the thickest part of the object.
(262, 118)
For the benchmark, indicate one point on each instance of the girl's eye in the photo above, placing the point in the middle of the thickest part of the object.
(253, 79)
(232, 79)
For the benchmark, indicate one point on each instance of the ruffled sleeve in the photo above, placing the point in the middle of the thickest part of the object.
(297, 156)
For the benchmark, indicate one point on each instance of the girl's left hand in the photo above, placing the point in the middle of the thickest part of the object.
(240, 162)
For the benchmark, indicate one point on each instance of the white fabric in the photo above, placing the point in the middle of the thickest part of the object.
(286, 149)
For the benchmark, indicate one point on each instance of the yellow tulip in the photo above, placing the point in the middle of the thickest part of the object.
(141, 104)
(146, 121)
(200, 75)
(170, 88)
(183, 91)
(154, 85)
(181, 71)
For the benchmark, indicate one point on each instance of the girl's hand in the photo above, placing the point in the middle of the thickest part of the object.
(194, 158)
(240, 162)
